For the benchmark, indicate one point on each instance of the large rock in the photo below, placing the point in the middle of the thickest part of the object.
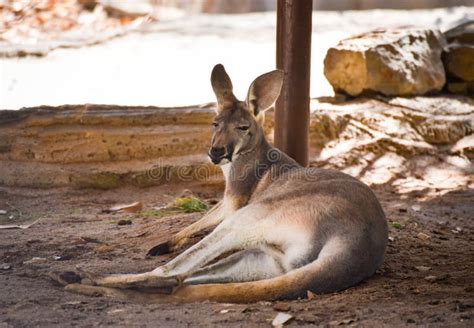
(461, 34)
(397, 62)
(459, 57)
(459, 62)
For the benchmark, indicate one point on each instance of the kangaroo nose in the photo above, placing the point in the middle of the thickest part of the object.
(217, 152)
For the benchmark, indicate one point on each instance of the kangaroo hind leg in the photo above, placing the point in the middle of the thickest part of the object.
(246, 265)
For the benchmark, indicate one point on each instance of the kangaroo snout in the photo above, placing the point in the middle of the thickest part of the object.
(217, 154)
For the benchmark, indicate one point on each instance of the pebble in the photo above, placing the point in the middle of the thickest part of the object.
(423, 268)
(124, 222)
(423, 236)
(5, 266)
(431, 278)
(283, 307)
(3, 212)
(115, 311)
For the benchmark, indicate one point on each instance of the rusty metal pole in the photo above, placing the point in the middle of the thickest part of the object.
(294, 19)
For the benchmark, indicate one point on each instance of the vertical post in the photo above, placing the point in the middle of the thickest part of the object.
(293, 53)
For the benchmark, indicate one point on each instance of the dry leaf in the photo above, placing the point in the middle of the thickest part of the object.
(423, 236)
(281, 318)
(125, 208)
(18, 226)
(311, 296)
(104, 248)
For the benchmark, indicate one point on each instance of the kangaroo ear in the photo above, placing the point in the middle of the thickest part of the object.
(264, 91)
(222, 86)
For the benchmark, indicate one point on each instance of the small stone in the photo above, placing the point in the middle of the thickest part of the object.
(391, 239)
(5, 266)
(416, 208)
(61, 257)
(282, 307)
(431, 278)
(124, 222)
(423, 268)
(423, 236)
(3, 212)
(115, 311)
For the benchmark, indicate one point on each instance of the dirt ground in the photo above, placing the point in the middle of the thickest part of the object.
(427, 277)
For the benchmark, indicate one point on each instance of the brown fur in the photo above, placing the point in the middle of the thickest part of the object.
(288, 229)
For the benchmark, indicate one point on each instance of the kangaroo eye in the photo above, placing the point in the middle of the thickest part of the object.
(243, 128)
(215, 124)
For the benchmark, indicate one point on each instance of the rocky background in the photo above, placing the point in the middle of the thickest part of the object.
(403, 95)
(392, 105)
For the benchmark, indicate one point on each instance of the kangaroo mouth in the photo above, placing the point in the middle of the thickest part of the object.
(221, 160)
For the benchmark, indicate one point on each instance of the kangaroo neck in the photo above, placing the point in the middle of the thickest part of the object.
(244, 173)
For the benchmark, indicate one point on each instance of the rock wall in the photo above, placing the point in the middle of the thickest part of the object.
(110, 146)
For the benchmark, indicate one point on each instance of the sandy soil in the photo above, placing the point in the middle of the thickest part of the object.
(422, 281)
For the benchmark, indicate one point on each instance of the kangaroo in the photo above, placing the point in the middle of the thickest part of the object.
(288, 229)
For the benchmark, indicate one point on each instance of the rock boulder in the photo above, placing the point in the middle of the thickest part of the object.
(396, 62)
(459, 58)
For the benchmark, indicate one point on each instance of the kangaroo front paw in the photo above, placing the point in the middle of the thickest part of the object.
(161, 249)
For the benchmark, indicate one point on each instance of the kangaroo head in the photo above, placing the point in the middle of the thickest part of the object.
(237, 127)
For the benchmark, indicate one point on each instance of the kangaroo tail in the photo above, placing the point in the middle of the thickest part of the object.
(286, 286)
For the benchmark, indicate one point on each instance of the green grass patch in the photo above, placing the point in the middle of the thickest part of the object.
(396, 225)
(180, 205)
(190, 204)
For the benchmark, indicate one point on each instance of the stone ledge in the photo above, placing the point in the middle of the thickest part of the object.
(105, 146)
